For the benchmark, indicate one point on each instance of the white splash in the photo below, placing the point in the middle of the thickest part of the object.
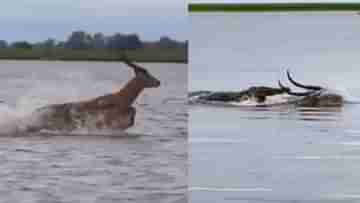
(270, 100)
(16, 118)
(9, 120)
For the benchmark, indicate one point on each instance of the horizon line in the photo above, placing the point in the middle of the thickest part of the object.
(275, 6)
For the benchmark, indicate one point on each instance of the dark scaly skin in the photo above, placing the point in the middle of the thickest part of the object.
(259, 93)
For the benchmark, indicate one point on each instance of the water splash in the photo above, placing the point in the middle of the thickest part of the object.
(11, 121)
(16, 117)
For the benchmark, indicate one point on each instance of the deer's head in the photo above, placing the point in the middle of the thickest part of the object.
(148, 80)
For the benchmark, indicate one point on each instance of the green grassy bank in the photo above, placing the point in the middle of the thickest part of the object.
(170, 55)
(268, 7)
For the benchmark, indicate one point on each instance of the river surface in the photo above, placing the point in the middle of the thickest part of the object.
(275, 154)
(147, 163)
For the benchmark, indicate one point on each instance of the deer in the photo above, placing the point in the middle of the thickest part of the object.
(113, 111)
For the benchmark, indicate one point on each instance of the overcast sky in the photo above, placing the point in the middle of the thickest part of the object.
(36, 20)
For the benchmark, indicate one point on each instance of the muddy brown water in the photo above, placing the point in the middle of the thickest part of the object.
(147, 163)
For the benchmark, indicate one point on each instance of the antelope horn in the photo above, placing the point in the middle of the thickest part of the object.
(137, 69)
(282, 87)
(317, 88)
(288, 91)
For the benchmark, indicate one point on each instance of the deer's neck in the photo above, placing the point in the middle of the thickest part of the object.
(124, 98)
(128, 94)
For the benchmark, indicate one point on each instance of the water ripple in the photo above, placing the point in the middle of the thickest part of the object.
(216, 189)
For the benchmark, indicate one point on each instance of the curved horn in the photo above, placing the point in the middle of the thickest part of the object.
(288, 91)
(137, 69)
(301, 85)
(282, 87)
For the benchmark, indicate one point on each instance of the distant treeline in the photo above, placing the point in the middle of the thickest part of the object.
(84, 46)
(271, 7)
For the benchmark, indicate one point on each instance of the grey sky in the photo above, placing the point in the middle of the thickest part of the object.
(39, 19)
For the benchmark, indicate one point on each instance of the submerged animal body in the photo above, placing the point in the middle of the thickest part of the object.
(322, 99)
(72, 116)
(315, 96)
(112, 111)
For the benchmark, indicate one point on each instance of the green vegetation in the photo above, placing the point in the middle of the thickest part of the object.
(175, 55)
(267, 7)
(81, 45)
